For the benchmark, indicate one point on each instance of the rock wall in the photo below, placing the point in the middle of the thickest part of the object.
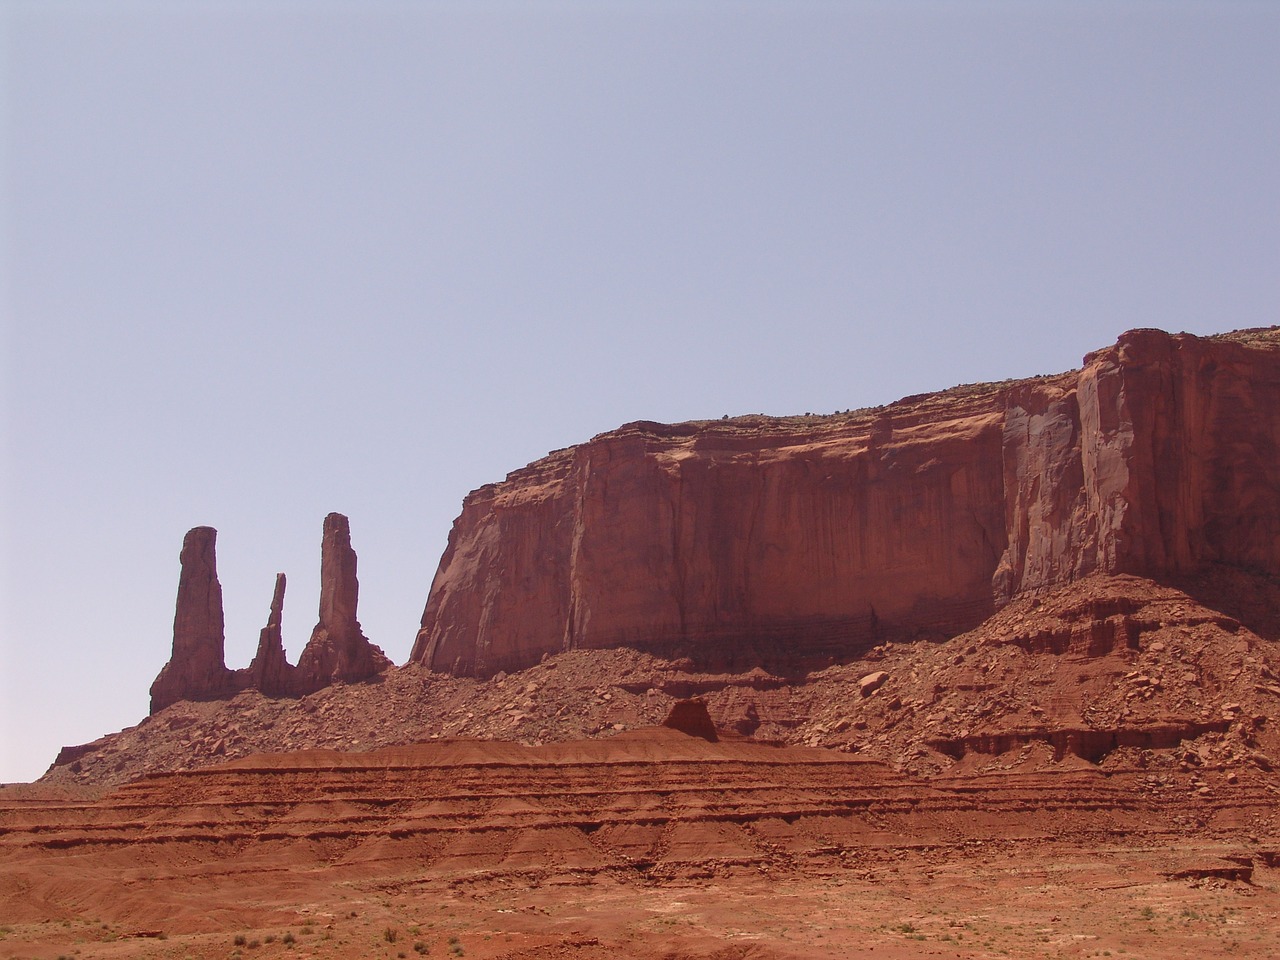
(1180, 459)
(337, 651)
(743, 540)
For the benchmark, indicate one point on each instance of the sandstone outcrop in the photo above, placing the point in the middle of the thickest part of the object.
(337, 652)
(197, 669)
(760, 539)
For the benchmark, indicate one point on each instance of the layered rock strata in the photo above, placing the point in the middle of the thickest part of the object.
(645, 804)
(750, 540)
(337, 652)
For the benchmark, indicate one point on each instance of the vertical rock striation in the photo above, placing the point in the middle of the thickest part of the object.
(756, 538)
(197, 669)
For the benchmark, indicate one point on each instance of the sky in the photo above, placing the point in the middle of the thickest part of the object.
(260, 261)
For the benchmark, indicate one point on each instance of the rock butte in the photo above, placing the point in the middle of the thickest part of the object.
(794, 541)
(760, 540)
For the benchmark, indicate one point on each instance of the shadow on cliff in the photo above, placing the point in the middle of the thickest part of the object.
(779, 658)
(1250, 596)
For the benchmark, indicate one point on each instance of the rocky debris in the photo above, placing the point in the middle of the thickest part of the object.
(782, 542)
(270, 672)
(972, 705)
(197, 669)
(338, 651)
(1213, 868)
(872, 682)
(691, 717)
(975, 690)
(1087, 743)
(69, 756)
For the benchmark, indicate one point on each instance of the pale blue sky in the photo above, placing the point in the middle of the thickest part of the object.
(266, 260)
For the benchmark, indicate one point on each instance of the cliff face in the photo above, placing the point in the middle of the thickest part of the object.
(1180, 457)
(810, 537)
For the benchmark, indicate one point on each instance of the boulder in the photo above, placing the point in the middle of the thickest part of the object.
(872, 682)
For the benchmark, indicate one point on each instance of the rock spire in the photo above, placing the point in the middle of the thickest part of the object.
(196, 670)
(338, 650)
(270, 672)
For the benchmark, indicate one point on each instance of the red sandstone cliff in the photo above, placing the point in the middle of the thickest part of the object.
(755, 537)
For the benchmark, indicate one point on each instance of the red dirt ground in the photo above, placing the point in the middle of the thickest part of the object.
(649, 844)
(1092, 773)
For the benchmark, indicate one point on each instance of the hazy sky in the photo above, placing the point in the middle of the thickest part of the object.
(266, 260)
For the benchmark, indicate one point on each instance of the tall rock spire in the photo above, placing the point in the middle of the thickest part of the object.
(270, 672)
(197, 669)
(337, 650)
